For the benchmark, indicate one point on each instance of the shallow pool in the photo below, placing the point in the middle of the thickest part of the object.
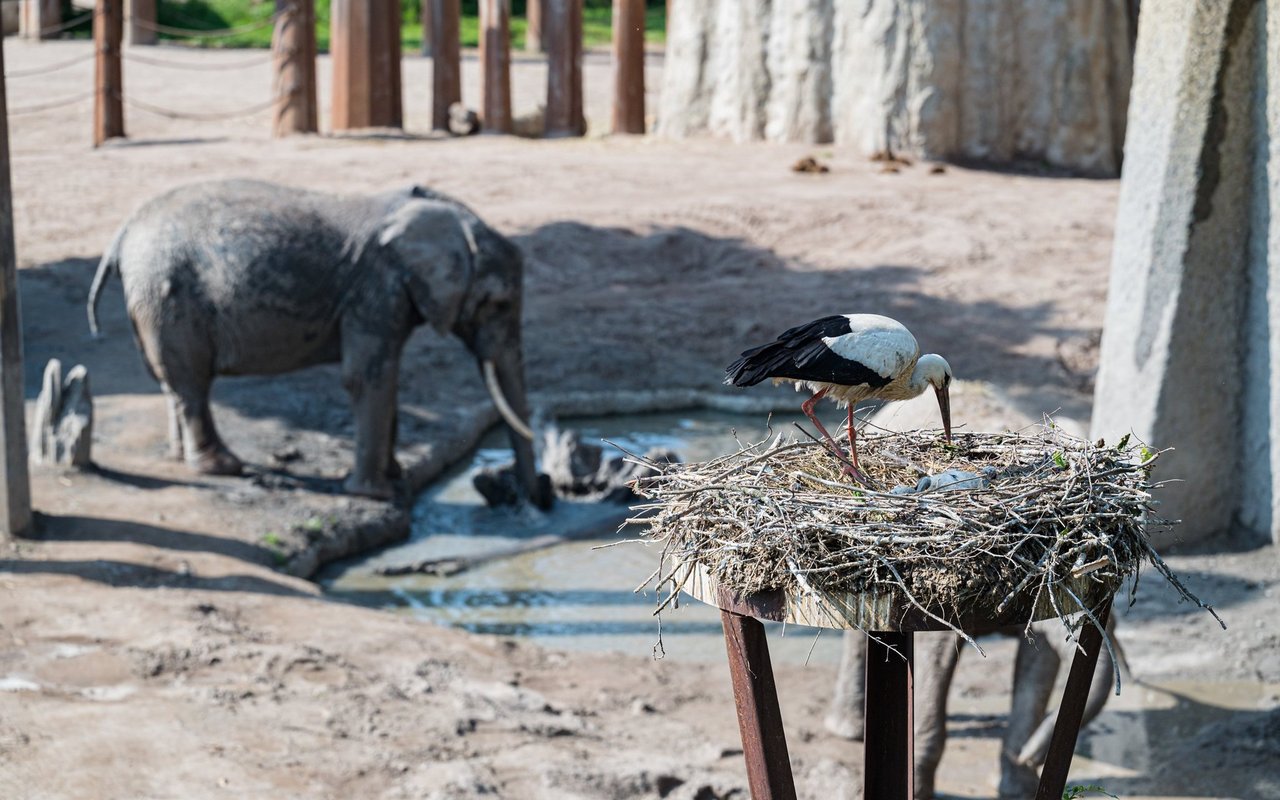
(576, 595)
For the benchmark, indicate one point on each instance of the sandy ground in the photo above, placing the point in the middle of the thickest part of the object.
(150, 647)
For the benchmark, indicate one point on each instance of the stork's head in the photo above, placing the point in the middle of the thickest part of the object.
(934, 370)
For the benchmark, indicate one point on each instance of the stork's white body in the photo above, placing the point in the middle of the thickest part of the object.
(883, 345)
(848, 358)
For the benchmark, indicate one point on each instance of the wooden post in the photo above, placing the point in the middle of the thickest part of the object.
(628, 66)
(446, 81)
(563, 23)
(1057, 762)
(495, 65)
(142, 12)
(15, 486)
(764, 744)
(38, 18)
(888, 735)
(533, 26)
(108, 98)
(365, 46)
(395, 89)
(294, 44)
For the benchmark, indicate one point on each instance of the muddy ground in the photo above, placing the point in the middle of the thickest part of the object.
(156, 637)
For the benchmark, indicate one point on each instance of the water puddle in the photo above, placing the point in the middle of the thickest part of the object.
(569, 596)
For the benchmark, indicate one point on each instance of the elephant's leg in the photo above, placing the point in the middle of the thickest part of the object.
(844, 716)
(1034, 672)
(370, 366)
(1037, 746)
(175, 424)
(185, 370)
(204, 449)
(936, 658)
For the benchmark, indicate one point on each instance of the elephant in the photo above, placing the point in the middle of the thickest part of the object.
(1026, 738)
(240, 277)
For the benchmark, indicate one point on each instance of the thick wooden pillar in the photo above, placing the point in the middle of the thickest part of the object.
(294, 45)
(446, 81)
(628, 66)
(495, 65)
(38, 18)
(108, 98)
(142, 20)
(365, 45)
(563, 24)
(15, 488)
(533, 26)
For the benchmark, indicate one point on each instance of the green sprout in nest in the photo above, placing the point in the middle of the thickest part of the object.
(1055, 521)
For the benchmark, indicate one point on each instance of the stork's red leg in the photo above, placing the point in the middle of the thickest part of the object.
(851, 471)
(807, 408)
(853, 439)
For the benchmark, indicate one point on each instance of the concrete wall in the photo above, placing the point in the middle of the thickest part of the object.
(997, 80)
(1191, 343)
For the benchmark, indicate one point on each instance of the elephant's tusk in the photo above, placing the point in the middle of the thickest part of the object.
(500, 400)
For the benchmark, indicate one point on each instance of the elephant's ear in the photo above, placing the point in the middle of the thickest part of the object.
(434, 251)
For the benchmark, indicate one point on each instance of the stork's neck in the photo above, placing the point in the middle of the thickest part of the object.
(919, 381)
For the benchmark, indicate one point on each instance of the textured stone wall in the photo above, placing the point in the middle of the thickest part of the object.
(997, 80)
(1191, 345)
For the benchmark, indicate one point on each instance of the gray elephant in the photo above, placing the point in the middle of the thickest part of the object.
(243, 277)
(1026, 739)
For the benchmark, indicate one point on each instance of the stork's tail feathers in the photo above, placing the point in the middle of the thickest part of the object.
(755, 365)
(110, 260)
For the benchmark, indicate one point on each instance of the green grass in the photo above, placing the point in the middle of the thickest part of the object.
(597, 16)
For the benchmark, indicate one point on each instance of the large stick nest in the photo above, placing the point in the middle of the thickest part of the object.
(1055, 511)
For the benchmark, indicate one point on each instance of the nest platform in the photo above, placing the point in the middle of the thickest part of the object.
(1051, 526)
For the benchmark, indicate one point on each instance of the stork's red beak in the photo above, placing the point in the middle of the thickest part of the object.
(944, 405)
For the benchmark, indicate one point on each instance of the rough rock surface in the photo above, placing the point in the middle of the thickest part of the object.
(1193, 317)
(994, 80)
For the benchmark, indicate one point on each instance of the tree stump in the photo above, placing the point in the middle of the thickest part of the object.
(1042, 80)
(62, 429)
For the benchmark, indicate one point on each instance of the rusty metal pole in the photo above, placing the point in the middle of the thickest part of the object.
(142, 20)
(563, 24)
(889, 738)
(15, 486)
(108, 97)
(446, 80)
(628, 66)
(1057, 762)
(533, 26)
(764, 744)
(495, 65)
(294, 44)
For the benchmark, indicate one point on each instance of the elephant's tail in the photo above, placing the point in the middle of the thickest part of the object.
(110, 260)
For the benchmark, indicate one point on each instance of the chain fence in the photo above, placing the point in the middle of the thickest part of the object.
(164, 63)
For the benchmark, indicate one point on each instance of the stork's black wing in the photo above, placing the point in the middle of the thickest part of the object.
(800, 354)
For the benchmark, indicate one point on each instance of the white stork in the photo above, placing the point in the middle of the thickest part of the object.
(848, 358)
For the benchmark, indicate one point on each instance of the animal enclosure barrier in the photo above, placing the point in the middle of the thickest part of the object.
(367, 88)
(293, 57)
